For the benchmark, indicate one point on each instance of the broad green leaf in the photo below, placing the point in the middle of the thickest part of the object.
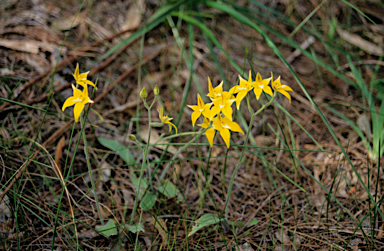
(119, 148)
(236, 223)
(148, 201)
(108, 229)
(169, 190)
(252, 223)
(204, 221)
(143, 184)
(135, 228)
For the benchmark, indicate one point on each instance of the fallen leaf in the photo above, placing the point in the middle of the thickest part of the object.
(162, 228)
(31, 46)
(155, 139)
(70, 21)
(363, 44)
(59, 151)
(134, 15)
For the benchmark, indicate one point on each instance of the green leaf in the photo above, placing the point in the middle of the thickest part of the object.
(135, 182)
(107, 229)
(148, 201)
(236, 223)
(204, 221)
(135, 228)
(252, 223)
(169, 190)
(119, 148)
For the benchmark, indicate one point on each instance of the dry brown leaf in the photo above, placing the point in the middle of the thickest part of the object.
(70, 21)
(5, 72)
(162, 228)
(176, 173)
(59, 151)
(363, 44)
(31, 46)
(282, 237)
(155, 136)
(134, 15)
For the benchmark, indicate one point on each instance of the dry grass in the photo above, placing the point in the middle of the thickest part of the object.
(35, 134)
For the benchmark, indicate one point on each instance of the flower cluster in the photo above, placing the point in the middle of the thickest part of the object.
(218, 114)
(79, 98)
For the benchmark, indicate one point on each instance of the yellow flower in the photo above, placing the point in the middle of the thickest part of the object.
(79, 99)
(210, 133)
(283, 89)
(81, 79)
(223, 125)
(261, 85)
(214, 92)
(223, 104)
(166, 120)
(199, 109)
(242, 89)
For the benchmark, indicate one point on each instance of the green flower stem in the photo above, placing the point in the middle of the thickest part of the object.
(162, 176)
(145, 153)
(241, 159)
(90, 171)
(181, 134)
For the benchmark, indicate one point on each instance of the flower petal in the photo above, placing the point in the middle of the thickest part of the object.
(258, 78)
(235, 127)
(214, 111)
(69, 102)
(88, 82)
(195, 108)
(76, 73)
(83, 76)
(268, 90)
(242, 81)
(227, 111)
(286, 88)
(195, 116)
(257, 90)
(226, 135)
(240, 96)
(78, 109)
(161, 112)
(210, 133)
(285, 94)
(170, 126)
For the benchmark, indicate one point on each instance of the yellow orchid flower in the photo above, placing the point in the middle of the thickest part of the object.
(199, 109)
(223, 104)
(223, 125)
(283, 89)
(261, 85)
(210, 133)
(79, 99)
(81, 79)
(214, 92)
(166, 119)
(242, 89)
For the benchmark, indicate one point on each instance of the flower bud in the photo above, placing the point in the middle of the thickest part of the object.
(132, 137)
(156, 90)
(143, 93)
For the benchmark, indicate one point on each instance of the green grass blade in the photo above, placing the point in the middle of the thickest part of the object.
(155, 20)
(272, 45)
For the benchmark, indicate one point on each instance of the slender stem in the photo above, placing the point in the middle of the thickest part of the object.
(162, 176)
(90, 172)
(145, 153)
(241, 159)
